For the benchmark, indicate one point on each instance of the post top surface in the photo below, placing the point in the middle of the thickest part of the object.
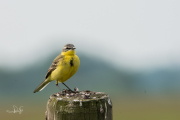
(84, 95)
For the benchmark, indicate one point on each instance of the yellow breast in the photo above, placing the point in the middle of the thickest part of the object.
(66, 68)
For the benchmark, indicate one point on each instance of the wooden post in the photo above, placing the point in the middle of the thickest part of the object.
(83, 105)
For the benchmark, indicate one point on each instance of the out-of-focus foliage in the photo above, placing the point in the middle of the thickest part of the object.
(94, 74)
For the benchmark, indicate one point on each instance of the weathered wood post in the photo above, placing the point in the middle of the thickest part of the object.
(83, 105)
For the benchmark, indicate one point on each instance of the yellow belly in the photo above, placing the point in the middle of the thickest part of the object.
(65, 69)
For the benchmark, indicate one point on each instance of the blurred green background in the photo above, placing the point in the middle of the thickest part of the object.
(127, 49)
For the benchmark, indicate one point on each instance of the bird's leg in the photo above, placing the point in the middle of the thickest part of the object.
(58, 86)
(67, 87)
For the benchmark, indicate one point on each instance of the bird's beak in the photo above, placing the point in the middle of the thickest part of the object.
(74, 48)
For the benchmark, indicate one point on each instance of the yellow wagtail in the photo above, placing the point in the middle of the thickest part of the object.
(62, 68)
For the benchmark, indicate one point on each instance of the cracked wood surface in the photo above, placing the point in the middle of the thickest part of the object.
(82, 105)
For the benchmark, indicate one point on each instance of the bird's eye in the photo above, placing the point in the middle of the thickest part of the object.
(68, 48)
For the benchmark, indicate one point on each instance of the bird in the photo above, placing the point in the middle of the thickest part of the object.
(63, 67)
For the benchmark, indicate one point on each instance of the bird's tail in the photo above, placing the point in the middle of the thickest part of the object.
(42, 85)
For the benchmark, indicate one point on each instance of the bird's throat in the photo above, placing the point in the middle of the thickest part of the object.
(70, 52)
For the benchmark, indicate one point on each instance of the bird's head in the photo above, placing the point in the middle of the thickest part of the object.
(68, 49)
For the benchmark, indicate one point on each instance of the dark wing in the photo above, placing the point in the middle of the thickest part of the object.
(54, 65)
